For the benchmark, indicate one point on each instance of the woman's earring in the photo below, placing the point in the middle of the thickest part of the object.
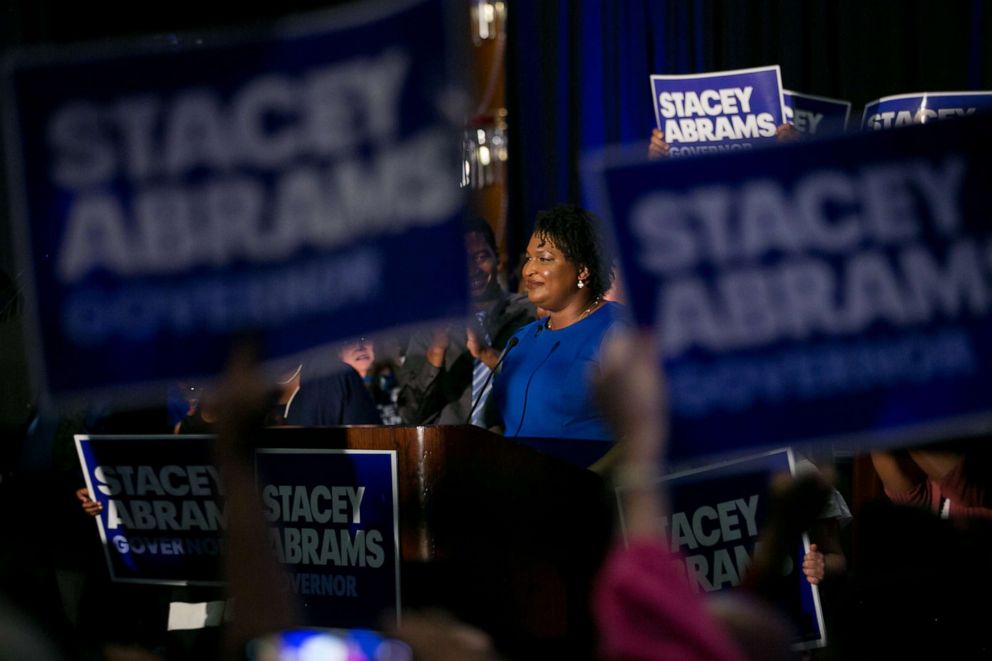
(581, 284)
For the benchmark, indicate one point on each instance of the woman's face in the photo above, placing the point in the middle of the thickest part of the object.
(551, 280)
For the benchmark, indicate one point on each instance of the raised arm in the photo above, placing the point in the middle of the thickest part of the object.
(898, 472)
(256, 582)
(643, 606)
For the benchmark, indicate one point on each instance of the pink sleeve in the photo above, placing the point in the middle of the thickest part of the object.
(921, 495)
(645, 609)
(956, 487)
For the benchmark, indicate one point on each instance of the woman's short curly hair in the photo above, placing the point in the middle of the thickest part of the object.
(583, 239)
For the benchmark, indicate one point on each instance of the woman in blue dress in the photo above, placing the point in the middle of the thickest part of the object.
(543, 390)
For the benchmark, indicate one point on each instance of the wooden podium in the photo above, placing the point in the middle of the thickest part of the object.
(503, 536)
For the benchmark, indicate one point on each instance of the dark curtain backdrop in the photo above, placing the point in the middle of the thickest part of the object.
(577, 70)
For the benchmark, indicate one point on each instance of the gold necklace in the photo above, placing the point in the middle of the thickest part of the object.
(592, 306)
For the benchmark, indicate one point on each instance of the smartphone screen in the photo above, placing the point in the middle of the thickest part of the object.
(328, 645)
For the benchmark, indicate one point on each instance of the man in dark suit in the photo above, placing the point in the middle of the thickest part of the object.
(441, 364)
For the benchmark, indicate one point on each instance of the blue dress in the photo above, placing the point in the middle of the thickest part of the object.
(543, 389)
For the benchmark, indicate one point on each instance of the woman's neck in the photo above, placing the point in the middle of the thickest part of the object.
(581, 308)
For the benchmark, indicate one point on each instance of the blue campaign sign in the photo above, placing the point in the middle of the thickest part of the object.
(718, 111)
(716, 513)
(163, 517)
(335, 527)
(833, 291)
(295, 183)
(816, 115)
(907, 109)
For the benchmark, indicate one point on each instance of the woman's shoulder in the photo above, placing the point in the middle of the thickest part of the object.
(616, 310)
(612, 318)
(613, 314)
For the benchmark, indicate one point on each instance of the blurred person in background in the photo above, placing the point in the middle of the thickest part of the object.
(378, 372)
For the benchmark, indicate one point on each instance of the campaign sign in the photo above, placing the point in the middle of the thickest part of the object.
(716, 513)
(294, 183)
(718, 111)
(816, 115)
(907, 109)
(833, 291)
(163, 516)
(335, 527)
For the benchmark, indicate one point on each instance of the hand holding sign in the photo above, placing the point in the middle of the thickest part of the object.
(90, 506)
(658, 148)
(786, 133)
(813, 565)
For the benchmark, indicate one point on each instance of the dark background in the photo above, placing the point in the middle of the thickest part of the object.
(577, 70)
